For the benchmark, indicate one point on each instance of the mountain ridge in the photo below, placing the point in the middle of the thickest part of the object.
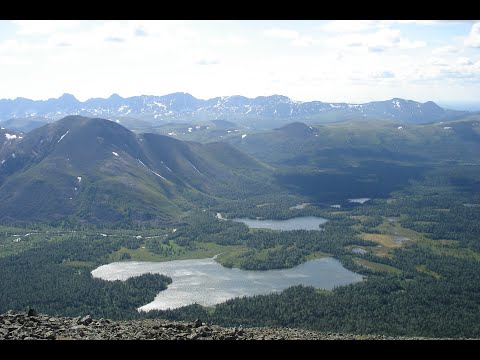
(267, 111)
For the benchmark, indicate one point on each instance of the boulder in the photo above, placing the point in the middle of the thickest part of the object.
(86, 320)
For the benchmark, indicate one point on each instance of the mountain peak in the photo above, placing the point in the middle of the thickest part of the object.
(280, 98)
(297, 129)
(115, 96)
(68, 97)
(180, 94)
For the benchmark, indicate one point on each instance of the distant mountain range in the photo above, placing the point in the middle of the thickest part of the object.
(265, 112)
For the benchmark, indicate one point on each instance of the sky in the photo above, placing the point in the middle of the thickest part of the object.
(353, 61)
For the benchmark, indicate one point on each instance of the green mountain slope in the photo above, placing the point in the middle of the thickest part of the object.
(358, 158)
(301, 144)
(97, 170)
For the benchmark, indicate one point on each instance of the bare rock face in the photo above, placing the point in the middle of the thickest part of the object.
(34, 326)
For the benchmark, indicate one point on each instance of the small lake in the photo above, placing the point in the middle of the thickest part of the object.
(298, 223)
(359, 200)
(206, 282)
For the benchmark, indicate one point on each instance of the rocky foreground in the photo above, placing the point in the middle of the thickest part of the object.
(33, 326)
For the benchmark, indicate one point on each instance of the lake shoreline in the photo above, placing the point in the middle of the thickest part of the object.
(206, 282)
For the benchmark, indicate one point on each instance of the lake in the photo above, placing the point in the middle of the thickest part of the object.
(206, 282)
(298, 223)
(359, 200)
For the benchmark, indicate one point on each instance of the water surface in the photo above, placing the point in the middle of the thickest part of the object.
(298, 223)
(206, 282)
(359, 200)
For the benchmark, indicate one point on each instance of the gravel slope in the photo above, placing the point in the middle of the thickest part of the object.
(33, 326)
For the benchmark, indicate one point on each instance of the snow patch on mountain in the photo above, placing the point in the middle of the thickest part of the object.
(194, 167)
(61, 138)
(140, 161)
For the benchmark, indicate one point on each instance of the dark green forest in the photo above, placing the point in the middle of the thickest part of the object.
(55, 279)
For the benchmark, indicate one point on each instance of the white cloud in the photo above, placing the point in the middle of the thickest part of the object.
(473, 39)
(227, 40)
(447, 71)
(236, 40)
(464, 61)
(354, 26)
(13, 60)
(282, 33)
(436, 61)
(344, 26)
(410, 22)
(207, 61)
(303, 41)
(140, 31)
(10, 46)
(115, 39)
(376, 41)
(383, 75)
(294, 36)
(449, 49)
(43, 27)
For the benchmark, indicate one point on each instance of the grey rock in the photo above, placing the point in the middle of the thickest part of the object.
(78, 327)
(49, 327)
(86, 320)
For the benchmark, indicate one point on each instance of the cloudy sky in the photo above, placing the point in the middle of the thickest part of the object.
(337, 61)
